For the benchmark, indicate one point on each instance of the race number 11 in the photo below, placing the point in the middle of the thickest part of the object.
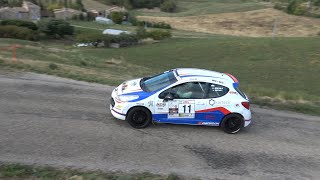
(186, 108)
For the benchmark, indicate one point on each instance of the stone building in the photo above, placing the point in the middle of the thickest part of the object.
(28, 11)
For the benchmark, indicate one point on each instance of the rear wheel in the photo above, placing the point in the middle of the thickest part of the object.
(232, 123)
(139, 117)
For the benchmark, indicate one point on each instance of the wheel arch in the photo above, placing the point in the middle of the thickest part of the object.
(232, 113)
(141, 107)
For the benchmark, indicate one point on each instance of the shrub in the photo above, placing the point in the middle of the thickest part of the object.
(83, 63)
(168, 6)
(54, 27)
(279, 6)
(141, 32)
(159, 34)
(124, 39)
(132, 19)
(53, 66)
(295, 7)
(20, 23)
(160, 25)
(116, 17)
(53, 6)
(16, 32)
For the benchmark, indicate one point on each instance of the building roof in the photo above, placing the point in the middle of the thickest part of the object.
(23, 9)
(30, 4)
(66, 10)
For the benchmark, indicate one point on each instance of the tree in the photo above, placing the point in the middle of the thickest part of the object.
(117, 17)
(295, 7)
(4, 3)
(168, 6)
(55, 27)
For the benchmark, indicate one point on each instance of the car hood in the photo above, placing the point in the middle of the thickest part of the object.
(129, 87)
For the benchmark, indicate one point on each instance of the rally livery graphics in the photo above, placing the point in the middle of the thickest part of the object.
(183, 96)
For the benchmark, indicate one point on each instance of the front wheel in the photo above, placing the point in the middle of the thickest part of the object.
(139, 117)
(232, 123)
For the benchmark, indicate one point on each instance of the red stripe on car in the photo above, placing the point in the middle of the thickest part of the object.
(221, 109)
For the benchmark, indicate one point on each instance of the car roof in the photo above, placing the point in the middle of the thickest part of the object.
(187, 73)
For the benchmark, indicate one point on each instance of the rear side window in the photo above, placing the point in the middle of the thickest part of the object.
(216, 90)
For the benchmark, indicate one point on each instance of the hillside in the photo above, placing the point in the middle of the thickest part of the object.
(257, 23)
(94, 5)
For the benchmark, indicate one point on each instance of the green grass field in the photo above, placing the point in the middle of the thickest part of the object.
(279, 72)
(202, 7)
(17, 171)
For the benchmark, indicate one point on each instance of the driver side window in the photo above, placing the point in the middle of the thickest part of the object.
(190, 90)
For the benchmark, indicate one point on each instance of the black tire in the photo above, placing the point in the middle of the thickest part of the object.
(139, 117)
(232, 123)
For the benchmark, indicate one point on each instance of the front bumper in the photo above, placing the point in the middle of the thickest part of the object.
(117, 114)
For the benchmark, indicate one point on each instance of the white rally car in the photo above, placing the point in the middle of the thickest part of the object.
(183, 96)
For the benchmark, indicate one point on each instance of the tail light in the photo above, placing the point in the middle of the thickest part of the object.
(246, 105)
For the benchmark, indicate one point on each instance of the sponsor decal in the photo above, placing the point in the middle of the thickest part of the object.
(237, 105)
(216, 88)
(133, 83)
(232, 92)
(220, 82)
(140, 104)
(210, 116)
(173, 111)
(212, 102)
(124, 86)
(150, 103)
(161, 104)
(223, 102)
(118, 106)
(208, 123)
(184, 115)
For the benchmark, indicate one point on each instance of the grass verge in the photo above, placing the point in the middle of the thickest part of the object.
(17, 171)
(278, 72)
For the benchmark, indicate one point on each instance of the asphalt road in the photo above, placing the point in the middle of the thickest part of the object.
(46, 120)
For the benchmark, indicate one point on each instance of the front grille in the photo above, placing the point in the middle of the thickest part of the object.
(112, 102)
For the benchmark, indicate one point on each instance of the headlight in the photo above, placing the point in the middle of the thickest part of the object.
(126, 98)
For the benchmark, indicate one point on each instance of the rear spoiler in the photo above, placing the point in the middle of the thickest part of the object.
(235, 80)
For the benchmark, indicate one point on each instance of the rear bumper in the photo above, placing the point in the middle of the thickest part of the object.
(117, 114)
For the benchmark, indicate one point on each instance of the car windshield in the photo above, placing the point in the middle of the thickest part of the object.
(157, 82)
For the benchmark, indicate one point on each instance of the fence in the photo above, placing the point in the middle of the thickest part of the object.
(13, 49)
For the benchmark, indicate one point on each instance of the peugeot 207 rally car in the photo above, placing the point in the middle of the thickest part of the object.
(183, 96)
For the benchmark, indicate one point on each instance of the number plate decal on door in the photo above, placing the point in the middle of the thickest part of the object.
(182, 109)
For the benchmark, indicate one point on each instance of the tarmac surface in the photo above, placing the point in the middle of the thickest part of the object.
(46, 120)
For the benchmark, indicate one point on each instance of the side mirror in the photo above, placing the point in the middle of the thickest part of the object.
(169, 97)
